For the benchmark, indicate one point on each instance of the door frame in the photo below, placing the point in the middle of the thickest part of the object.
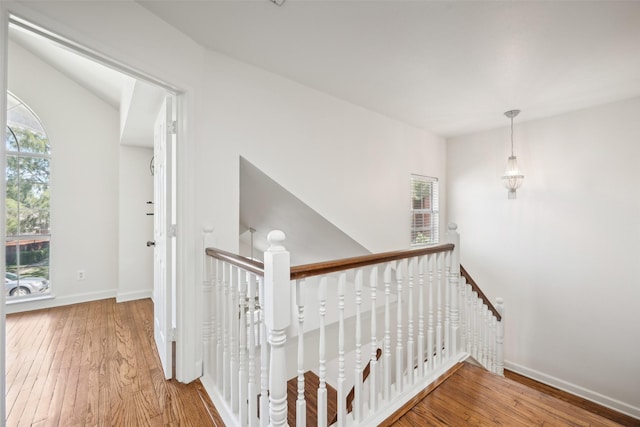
(188, 359)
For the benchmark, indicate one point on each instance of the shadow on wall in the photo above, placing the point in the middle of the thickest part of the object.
(265, 205)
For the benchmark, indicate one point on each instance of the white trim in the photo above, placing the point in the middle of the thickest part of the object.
(88, 53)
(224, 410)
(189, 287)
(577, 390)
(132, 296)
(61, 301)
(189, 347)
(4, 49)
(29, 298)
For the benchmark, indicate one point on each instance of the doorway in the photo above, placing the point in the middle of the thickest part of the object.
(103, 203)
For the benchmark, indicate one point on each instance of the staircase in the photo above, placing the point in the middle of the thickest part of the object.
(352, 340)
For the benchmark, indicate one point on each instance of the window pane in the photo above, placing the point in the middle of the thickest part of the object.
(30, 141)
(27, 203)
(33, 171)
(24, 122)
(11, 141)
(27, 265)
(424, 210)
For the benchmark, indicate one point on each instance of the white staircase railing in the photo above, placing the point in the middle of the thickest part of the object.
(267, 326)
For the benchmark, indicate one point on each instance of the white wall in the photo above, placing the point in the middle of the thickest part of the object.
(135, 278)
(83, 132)
(129, 34)
(349, 164)
(316, 146)
(565, 254)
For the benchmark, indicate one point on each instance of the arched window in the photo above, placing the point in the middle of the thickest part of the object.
(27, 202)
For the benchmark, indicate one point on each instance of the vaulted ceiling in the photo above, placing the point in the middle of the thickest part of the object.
(451, 67)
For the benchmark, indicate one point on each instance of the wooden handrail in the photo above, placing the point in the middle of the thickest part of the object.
(326, 267)
(316, 269)
(309, 270)
(481, 294)
(255, 267)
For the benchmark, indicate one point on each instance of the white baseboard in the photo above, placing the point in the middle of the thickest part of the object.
(56, 301)
(224, 410)
(132, 296)
(591, 395)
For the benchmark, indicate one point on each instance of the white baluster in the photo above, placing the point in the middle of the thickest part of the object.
(207, 312)
(322, 369)
(485, 332)
(492, 343)
(277, 317)
(432, 259)
(469, 315)
(301, 403)
(474, 327)
(454, 280)
(207, 290)
(219, 324)
(373, 377)
(410, 343)
(251, 338)
(228, 317)
(439, 303)
(480, 321)
(233, 342)
(209, 309)
(357, 398)
(421, 264)
(462, 287)
(447, 307)
(243, 379)
(386, 364)
(401, 269)
(264, 359)
(500, 338)
(342, 388)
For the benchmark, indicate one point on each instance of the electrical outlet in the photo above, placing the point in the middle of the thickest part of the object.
(80, 275)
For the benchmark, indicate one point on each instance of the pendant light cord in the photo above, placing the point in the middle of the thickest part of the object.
(511, 136)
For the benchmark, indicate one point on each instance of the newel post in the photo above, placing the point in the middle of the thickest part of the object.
(277, 312)
(454, 279)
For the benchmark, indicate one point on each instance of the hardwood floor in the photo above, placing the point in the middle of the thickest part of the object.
(472, 396)
(610, 414)
(95, 364)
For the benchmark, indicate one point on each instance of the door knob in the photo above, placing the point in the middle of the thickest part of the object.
(150, 243)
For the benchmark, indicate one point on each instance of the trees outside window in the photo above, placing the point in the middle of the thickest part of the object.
(27, 227)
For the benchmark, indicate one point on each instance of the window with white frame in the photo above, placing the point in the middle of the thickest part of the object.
(27, 234)
(424, 210)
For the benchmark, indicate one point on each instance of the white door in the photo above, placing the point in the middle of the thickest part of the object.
(164, 255)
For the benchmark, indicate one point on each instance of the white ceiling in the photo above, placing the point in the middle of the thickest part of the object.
(452, 67)
(105, 83)
(138, 100)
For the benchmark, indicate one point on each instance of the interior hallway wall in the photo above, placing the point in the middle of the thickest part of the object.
(565, 254)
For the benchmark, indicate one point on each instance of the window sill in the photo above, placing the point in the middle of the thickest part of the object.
(20, 300)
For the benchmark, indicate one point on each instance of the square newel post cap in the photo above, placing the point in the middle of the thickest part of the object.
(277, 308)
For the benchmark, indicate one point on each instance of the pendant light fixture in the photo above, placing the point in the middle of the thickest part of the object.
(512, 177)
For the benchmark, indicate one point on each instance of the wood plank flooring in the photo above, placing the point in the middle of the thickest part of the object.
(95, 364)
(574, 400)
(471, 396)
